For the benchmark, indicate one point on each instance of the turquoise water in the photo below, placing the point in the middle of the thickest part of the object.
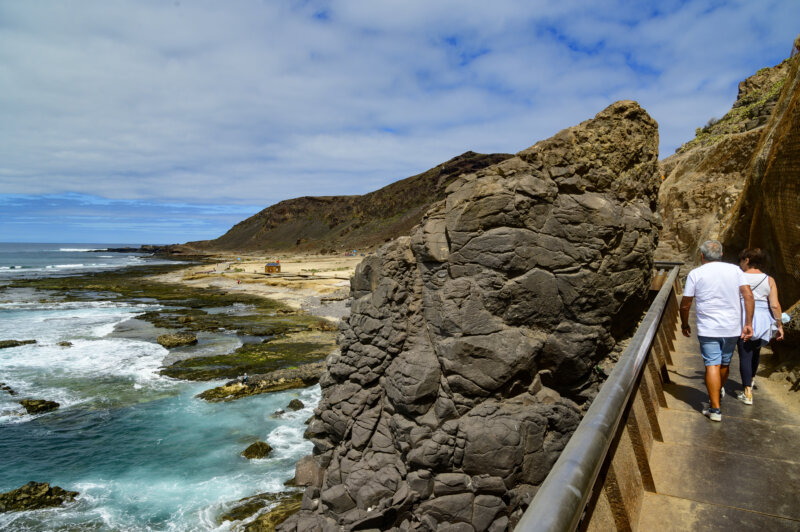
(143, 452)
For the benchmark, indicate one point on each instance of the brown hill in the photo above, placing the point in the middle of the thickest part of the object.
(345, 222)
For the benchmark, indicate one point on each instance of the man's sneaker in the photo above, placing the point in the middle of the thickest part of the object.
(722, 392)
(744, 398)
(714, 414)
(753, 384)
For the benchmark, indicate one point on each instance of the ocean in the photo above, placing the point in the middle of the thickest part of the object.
(141, 450)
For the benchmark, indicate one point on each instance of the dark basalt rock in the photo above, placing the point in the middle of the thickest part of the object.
(295, 404)
(176, 340)
(38, 406)
(65, 344)
(259, 449)
(35, 495)
(15, 343)
(6, 388)
(472, 343)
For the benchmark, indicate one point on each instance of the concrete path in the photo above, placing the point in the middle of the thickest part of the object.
(740, 474)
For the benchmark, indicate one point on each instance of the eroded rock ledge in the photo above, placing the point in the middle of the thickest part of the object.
(473, 343)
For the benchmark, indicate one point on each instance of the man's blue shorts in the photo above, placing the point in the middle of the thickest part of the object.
(717, 350)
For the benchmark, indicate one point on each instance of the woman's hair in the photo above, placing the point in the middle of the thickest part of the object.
(756, 256)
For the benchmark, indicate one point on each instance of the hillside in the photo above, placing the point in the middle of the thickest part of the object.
(321, 223)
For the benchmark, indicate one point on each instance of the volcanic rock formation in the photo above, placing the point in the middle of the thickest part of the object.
(767, 214)
(473, 343)
(704, 179)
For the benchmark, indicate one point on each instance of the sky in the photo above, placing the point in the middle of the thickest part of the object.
(164, 122)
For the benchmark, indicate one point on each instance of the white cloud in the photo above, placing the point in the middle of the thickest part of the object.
(254, 102)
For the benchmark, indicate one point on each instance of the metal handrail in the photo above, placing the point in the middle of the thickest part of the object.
(561, 499)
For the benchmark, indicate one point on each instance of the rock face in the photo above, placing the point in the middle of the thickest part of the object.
(767, 214)
(471, 344)
(35, 495)
(259, 449)
(38, 406)
(704, 179)
(176, 340)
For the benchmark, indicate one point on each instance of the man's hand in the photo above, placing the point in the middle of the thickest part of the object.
(747, 332)
(779, 334)
(686, 330)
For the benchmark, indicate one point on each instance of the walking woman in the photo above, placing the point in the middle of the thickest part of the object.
(765, 323)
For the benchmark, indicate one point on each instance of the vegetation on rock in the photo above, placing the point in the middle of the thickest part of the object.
(38, 406)
(15, 343)
(33, 496)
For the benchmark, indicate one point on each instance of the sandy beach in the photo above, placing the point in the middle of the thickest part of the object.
(316, 284)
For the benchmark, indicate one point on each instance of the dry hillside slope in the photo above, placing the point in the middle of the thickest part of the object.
(345, 222)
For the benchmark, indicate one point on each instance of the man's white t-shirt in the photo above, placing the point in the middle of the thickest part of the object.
(715, 289)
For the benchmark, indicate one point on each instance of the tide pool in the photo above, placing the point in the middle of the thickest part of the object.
(143, 452)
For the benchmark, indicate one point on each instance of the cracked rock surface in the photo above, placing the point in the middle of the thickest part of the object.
(471, 348)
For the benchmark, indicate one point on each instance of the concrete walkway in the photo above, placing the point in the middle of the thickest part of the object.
(740, 474)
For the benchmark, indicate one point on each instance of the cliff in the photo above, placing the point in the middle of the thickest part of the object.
(767, 213)
(347, 222)
(705, 177)
(473, 343)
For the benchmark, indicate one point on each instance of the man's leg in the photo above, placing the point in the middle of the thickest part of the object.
(723, 374)
(727, 348)
(713, 384)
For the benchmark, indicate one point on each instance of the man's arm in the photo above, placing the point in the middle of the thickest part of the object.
(749, 306)
(686, 305)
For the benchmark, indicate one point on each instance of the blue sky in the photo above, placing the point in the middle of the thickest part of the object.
(163, 122)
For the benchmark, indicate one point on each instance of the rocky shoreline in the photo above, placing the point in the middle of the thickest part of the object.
(282, 347)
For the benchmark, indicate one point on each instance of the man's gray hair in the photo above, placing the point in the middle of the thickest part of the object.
(711, 250)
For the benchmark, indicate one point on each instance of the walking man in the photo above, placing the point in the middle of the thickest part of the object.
(715, 286)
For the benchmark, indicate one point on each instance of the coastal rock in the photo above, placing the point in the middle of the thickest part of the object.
(15, 343)
(35, 495)
(176, 340)
(521, 279)
(6, 388)
(283, 505)
(259, 449)
(65, 344)
(295, 404)
(38, 406)
(275, 381)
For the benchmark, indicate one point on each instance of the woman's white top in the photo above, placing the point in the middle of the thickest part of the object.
(759, 283)
(763, 322)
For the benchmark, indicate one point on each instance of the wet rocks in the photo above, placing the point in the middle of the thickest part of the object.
(6, 388)
(472, 343)
(176, 340)
(295, 404)
(65, 344)
(249, 506)
(291, 350)
(15, 343)
(275, 381)
(38, 406)
(259, 449)
(35, 495)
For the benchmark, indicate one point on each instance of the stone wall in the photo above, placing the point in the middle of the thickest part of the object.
(472, 345)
